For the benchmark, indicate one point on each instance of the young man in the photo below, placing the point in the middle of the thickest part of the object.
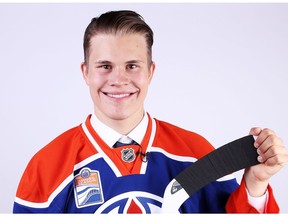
(85, 171)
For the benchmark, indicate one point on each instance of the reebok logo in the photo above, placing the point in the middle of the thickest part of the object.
(175, 187)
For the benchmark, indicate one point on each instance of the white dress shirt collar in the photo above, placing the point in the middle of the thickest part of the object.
(110, 136)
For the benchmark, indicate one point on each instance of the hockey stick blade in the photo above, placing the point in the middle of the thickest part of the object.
(225, 160)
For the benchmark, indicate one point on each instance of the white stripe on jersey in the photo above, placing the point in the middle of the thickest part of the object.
(102, 154)
(172, 156)
(59, 188)
(187, 159)
(86, 161)
(151, 140)
(108, 160)
(51, 197)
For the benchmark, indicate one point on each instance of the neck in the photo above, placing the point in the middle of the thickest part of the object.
(122, 125)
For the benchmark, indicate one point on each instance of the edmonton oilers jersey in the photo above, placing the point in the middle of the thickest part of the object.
(79, 173)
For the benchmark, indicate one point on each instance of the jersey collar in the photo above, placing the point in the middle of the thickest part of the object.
(110, 136)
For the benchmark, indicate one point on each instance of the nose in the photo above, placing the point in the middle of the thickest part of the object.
(118, 76)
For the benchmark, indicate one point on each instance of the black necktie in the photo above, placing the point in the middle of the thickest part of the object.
(120, 144)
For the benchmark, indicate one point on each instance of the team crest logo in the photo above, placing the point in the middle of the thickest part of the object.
(128, 155)
(132, 202)
(87, 187)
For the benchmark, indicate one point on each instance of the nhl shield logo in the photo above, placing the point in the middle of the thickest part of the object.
(87, 187)
(128, 155)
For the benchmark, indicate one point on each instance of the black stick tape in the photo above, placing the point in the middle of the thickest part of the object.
(225, 160)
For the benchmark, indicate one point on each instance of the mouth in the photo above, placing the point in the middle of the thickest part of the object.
(119, 95)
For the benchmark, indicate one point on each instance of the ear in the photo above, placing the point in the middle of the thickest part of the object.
(84, 70)
(151, 71)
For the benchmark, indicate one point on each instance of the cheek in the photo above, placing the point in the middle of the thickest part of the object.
(141, 79)
(143, 85)
(95, 81)
(94, 87)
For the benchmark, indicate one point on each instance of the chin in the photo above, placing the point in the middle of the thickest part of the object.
(118, 116)
(122, 113)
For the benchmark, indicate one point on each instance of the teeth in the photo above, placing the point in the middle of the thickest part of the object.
(118, 95)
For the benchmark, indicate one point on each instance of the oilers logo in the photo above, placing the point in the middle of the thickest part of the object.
(87, 188)
(132, 202)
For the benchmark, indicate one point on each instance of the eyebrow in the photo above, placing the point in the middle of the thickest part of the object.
(103, 62)
(127, 62)
(134, 61)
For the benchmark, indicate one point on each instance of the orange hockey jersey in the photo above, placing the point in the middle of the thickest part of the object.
(79, 173)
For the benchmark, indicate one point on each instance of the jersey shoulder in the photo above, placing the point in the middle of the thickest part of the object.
(53, 164)
(180, 141)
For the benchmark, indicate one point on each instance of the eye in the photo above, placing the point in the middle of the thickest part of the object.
(131, 66)
(106, 67)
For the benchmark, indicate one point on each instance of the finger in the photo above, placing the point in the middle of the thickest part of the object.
(262, 136)
(277, 161)
(271, 140)
(275, 155)
(255, 131)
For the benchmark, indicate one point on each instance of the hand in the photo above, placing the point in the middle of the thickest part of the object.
(273, 155)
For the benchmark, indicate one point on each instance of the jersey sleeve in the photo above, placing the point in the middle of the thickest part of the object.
(47, 181)
(38, 192)
(238, 201)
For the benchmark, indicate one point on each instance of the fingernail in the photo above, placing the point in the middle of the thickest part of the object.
(256, 145)
(260, 159)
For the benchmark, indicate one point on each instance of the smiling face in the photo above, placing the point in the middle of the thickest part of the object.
(118, 73)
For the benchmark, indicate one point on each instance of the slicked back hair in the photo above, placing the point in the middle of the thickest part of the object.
(118, 22)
